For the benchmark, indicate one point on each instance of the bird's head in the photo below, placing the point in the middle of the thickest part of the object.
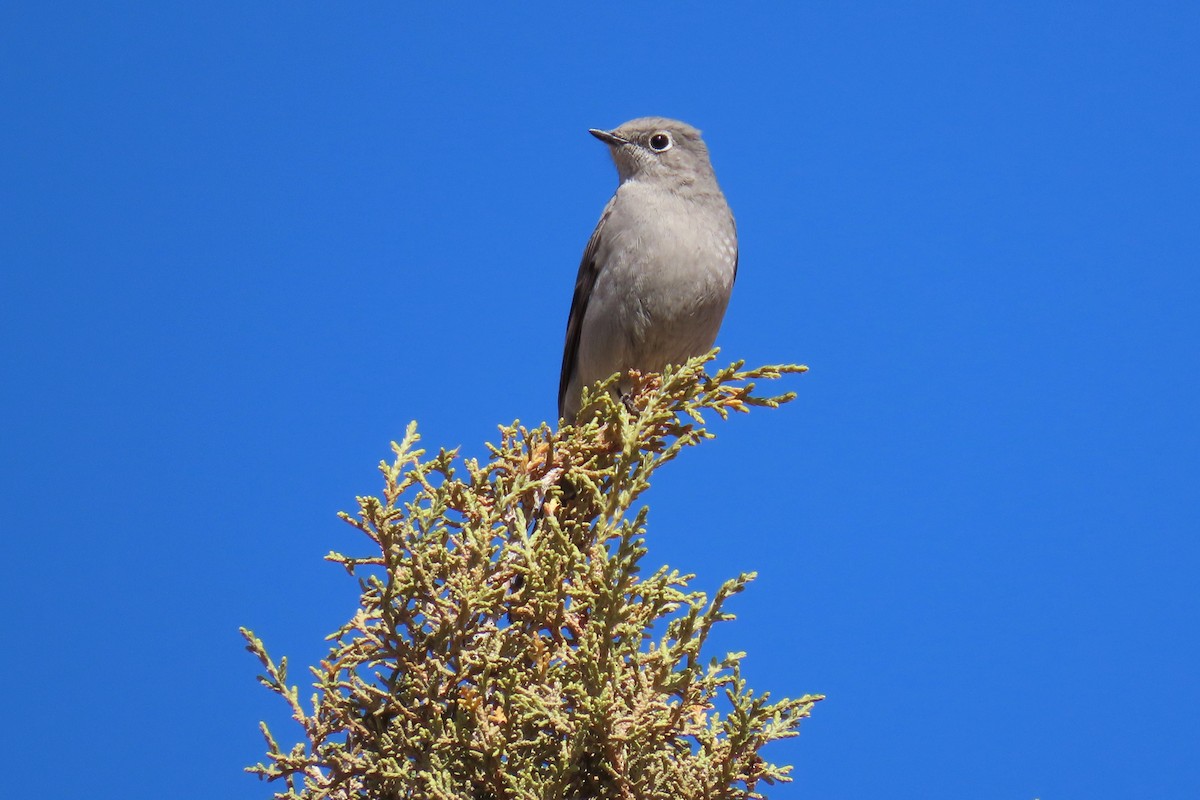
(658, 149)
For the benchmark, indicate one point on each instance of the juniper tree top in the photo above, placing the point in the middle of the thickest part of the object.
(509, 643)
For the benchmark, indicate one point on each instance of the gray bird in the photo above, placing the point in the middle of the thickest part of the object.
(657, 273)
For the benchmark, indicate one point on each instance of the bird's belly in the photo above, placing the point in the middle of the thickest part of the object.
(672, 320)
(662, 307)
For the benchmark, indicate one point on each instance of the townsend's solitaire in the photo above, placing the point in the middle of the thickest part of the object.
(657, 273)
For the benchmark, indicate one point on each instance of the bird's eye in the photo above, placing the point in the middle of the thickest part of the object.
(660, 142)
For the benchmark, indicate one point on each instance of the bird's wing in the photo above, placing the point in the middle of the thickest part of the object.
(737, 255)
(585, 281)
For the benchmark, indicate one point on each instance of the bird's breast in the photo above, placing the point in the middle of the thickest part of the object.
(669, 264)
(668, 239)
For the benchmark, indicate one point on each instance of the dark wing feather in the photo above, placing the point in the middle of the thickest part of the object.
(737, 254)
(585, 281)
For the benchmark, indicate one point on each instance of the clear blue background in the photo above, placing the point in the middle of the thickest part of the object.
(244, 244)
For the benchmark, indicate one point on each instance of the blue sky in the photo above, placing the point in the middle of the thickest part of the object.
(244, 245)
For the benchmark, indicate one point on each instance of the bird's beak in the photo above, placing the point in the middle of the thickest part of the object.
(610, 139)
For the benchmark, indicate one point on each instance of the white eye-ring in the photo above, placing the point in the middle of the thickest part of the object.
(661, 142)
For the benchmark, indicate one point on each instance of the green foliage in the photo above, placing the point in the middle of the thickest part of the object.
(508, 645)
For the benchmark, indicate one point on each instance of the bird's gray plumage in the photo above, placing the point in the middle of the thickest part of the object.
(657, 273)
